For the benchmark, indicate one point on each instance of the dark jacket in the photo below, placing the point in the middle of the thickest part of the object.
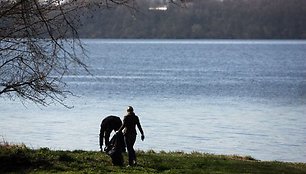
(108, 124)
(129, 123)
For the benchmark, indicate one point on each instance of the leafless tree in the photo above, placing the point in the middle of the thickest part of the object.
(39, 45)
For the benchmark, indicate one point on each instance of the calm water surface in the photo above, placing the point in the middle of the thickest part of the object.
(214, 96)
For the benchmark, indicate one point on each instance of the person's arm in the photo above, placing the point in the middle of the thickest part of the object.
(140, 129)
(106, 136)
(122, 126)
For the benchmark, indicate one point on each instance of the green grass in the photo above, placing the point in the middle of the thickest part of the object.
(20, 159)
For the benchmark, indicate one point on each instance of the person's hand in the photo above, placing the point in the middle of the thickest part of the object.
(142, 137)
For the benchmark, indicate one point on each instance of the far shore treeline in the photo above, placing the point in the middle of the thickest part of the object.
(199, 19)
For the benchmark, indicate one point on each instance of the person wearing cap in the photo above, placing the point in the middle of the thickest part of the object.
(130, 122)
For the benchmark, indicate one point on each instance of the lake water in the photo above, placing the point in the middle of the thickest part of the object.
(214, 96)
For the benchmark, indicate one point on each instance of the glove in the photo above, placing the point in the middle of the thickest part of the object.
(142, 137)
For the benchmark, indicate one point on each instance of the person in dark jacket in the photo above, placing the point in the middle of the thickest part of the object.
(130, 122)
(108, 124)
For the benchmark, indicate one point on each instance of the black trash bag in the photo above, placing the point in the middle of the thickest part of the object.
(115, 148)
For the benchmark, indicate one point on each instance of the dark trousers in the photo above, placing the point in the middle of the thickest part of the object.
(130, 141)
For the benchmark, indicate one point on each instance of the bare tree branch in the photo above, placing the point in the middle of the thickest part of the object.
(38, 45)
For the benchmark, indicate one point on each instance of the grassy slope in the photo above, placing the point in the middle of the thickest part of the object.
(19, 159)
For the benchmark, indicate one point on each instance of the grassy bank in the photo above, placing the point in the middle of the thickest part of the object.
(20, 159)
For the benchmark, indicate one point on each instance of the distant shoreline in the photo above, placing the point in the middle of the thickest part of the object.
(127, 38)
(214, 19)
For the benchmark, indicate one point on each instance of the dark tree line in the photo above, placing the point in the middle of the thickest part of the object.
(227, 19)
